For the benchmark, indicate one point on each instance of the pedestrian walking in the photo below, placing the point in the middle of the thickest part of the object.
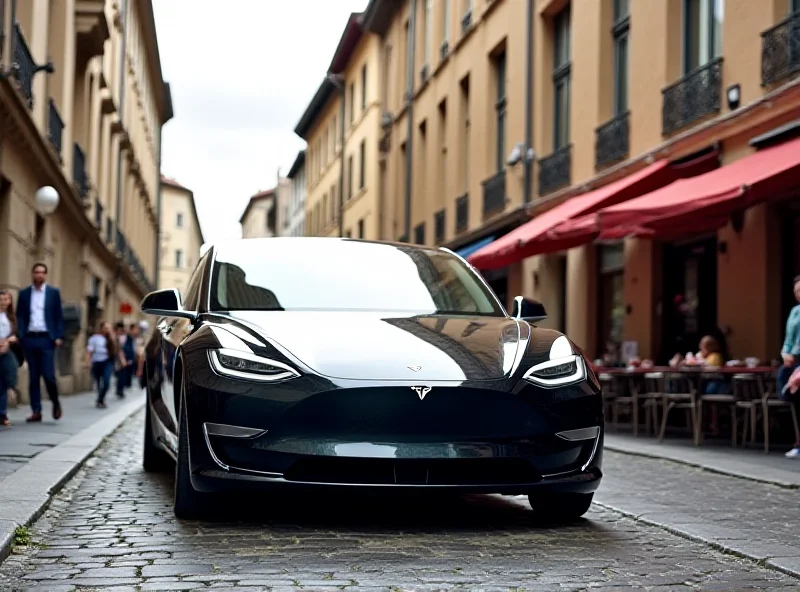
(10, 355)
(101, 353)
(125, 366)
(790, 354)
(40, 320)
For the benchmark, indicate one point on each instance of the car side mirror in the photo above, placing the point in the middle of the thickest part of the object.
(527, 309)
(166, 303)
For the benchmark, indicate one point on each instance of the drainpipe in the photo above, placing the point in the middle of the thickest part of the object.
(339, 81)
(124, 18)
(157, 262)
(527, 155)
(412, 43)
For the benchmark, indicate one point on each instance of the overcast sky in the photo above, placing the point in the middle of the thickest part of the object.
(240, 79)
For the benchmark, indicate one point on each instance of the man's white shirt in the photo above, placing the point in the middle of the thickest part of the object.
(37, 324)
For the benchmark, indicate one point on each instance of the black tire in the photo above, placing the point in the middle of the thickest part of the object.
(562, 507)
(154, 459)
(188, 503)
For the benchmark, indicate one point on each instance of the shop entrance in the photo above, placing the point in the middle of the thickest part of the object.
(690, 296)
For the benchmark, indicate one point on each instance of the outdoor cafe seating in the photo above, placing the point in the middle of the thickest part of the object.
(653, 397)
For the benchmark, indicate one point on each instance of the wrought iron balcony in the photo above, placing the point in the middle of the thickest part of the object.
(494, 194)
(424, 74)
(555, 171)
(79, 177)
(780, 50)
(462, 213)
(55, 127)
(466, 22)
(693, 97)
(121, 244)
(439, 227)
(109, 230)
(444, 49)
(98, 213)
(612, 140)
(23, 66)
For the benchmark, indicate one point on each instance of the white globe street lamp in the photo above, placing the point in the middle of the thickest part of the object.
(46, 200)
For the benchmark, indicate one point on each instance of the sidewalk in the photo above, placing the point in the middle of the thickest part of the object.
(37, 459)
(717, 457)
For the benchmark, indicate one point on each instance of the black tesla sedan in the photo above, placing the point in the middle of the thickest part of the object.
(327, 362)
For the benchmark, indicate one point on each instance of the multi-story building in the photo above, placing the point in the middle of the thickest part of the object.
(260, 216)
(283, 195)
(297, 196)
(181, 235)
(82, 104)
(342, 128)
(626, 163)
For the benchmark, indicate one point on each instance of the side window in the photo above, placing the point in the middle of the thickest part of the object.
(191, 296)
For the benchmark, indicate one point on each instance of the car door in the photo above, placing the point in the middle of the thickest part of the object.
(168, 335)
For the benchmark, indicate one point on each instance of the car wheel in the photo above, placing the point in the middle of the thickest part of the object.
(562, 506)
(188, 502)
(154, 460)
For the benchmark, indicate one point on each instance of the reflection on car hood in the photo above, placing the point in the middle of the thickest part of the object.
(374, 346)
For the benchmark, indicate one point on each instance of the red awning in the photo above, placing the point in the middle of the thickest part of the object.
(712, 197)
(535, 237)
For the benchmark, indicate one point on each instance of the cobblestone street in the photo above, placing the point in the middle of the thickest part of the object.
(112, 528)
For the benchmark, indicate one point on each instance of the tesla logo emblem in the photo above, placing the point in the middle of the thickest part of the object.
(414, 368)
(421, 391)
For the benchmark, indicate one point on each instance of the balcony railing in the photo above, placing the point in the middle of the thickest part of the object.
(98, 213)
(55, 127)
(693, 97)
(555, 171)
(79, 177)
(466, 22)
(780, 50)
(23, 65)
(109, 229)
(439, 227)
(494, 194)
(462, 213)
(611, 143)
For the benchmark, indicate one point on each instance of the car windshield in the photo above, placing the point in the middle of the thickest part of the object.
(319, 274)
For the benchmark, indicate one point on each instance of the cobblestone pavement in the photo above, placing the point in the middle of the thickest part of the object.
(112, 528)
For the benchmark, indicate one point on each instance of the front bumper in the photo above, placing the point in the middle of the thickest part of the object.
(464, 438)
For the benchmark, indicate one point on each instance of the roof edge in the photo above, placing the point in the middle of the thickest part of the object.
(324, 93)
(348, 42)
(377, 16)
(299, 161)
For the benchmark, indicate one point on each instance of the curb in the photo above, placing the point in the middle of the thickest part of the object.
(774, 563)
(791, 481)
(26, 493)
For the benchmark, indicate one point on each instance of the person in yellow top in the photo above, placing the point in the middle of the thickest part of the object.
(710, 350)
(711, 354)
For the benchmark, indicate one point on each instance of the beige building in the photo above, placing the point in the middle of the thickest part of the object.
(88, 124)
(181, 235)
(260, 216)
(343, 185)
(519, 135)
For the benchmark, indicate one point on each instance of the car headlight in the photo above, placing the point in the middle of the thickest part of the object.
(248, 366)
(564, 367)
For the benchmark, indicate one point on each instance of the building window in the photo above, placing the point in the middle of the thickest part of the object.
(179, 258)
(352, 103)
(361, 228)
(428, 30)
(179, 220)
(561, 78)
(465, 144)
(362, 157)
(348, 234)
(702, 32)
(334, 205)
(349, 177)
(327, 219)
(363, 87)
(794, 6)
(419, 233)
(500, 111)
(622, 24)
(611, 304)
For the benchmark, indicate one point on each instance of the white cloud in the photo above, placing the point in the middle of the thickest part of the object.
(240, 78)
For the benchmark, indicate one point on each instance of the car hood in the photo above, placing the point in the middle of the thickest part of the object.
(373, 346)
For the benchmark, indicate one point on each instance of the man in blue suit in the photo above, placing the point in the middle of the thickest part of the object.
(40, 322)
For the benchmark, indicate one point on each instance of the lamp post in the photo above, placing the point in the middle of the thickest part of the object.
(46, 200)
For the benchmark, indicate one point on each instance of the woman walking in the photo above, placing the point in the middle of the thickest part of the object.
(101, 351)
(9, 360)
